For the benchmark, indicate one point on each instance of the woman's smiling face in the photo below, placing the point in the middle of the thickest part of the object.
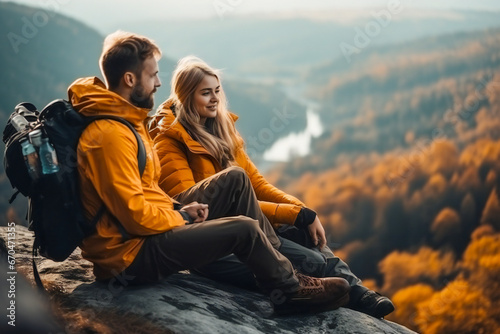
(206, 97)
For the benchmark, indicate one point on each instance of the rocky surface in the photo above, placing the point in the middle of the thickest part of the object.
(183, 303)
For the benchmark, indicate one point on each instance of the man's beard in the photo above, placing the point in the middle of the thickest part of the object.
(140, 99)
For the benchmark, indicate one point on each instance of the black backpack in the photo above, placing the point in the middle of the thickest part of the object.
(55, 211)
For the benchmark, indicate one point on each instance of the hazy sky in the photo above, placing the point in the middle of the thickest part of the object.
(104, 14)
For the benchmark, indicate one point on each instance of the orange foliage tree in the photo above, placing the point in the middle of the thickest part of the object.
(407, 301)
(470, 303)
(458, 309)
(491, 212)
(402, 269)
(446, 225)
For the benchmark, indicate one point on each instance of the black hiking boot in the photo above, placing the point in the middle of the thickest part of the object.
(374, 304)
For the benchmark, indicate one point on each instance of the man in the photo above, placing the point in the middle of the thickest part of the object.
(141, 231)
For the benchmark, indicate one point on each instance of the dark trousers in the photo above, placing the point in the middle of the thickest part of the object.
(309, 261)
(229, 269)
(235, 225)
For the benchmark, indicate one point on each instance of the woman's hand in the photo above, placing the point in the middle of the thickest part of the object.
(197, 211)
(317, 233)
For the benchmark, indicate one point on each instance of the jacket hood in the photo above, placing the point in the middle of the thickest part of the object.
(90, 97)
(168, 126)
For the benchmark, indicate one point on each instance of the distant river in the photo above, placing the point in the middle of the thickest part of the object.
(296, 144)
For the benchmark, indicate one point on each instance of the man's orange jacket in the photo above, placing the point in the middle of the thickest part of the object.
(109, 174)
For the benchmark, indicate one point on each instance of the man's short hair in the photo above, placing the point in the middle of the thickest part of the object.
(125, 52)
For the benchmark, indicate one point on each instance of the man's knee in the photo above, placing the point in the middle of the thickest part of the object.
(235, 174)
(247, 227)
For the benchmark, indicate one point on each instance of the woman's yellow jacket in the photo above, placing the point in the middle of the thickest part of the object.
(109, 174)
(184, 162)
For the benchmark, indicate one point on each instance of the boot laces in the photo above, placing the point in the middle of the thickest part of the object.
(310, 284)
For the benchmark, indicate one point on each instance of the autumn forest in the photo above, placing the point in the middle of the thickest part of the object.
(407, 183)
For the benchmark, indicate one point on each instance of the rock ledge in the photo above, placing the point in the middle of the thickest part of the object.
(184, 303)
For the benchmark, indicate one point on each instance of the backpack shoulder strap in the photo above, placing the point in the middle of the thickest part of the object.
(141, 158)
(141, 151)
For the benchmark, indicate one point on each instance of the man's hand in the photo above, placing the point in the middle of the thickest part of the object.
(317, 233)
(197, 211)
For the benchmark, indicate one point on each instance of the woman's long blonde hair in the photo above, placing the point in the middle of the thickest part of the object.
(218, 135)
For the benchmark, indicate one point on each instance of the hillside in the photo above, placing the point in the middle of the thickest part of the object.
(406, 179)
(37, 63)
(43, 53)
(396, 96)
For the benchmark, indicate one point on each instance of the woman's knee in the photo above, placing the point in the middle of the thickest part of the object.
(308, 261)
(314, 264)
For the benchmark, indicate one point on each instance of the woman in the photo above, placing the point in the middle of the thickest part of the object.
(195, 137)
(203, 141)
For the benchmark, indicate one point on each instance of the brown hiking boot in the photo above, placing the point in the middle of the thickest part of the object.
(313, 295)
